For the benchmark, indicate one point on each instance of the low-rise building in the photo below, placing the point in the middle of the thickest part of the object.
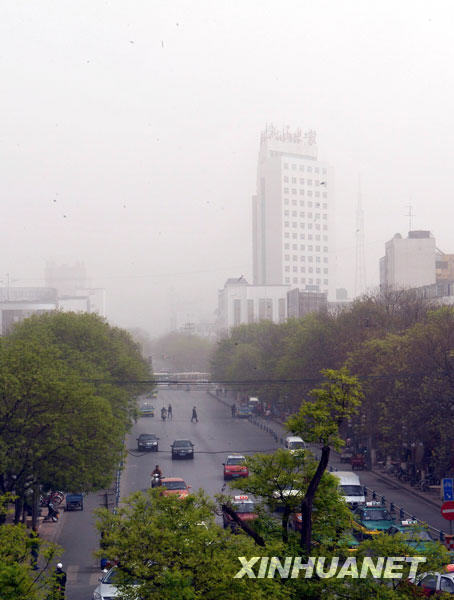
(240, 303)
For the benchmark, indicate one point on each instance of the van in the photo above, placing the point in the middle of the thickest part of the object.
(294, 442)
(350, 488)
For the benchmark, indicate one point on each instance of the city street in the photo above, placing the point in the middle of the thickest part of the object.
(214, 436)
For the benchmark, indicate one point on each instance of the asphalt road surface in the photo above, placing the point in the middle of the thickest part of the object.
(214, 436)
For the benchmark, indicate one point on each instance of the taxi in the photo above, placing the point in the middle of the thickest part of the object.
(234, 467)
(244, 508)
(371, 519)
(413, 535)
(147, 410)
(174, 486)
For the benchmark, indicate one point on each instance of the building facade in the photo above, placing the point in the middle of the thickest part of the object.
(241, 303)
(301, 303)
(409, 262)
(291, 212)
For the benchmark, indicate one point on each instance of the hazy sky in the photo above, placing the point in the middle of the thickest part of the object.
(130, 134)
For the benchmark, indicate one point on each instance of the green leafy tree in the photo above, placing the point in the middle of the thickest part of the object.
(65, 380)
(319, 422)
(174, 550)
(22, 577)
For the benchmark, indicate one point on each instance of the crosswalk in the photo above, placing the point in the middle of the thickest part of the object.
(75, 576)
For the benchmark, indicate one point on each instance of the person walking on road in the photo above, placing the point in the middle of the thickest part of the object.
(233, 410)
(194, 415)
(169, 412)
(59, 583)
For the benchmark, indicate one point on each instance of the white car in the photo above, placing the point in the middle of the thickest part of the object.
(107, 586)
(295, 443)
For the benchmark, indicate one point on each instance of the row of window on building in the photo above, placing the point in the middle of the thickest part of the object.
(309, 225)
(310, 215)
(304, 192)
(306, 168)
(302, 181)
(310, 204)
(303, 280)
(303, 270)
(303, 248)
(303, 258)
(310, 237)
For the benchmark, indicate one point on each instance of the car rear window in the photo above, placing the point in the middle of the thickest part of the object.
(174, 485)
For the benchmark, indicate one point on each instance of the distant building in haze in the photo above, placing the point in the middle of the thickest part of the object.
(241, 303)
(291, 211)
(409, 262)
(301, 303)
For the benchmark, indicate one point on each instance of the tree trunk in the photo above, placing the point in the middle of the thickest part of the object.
(308, 500)
(285, 517)
(254, 535)
(35, 506)
(18, 509)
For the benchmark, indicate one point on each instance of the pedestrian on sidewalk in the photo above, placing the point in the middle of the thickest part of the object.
(194, 415)
(233, 410)
(169, 412)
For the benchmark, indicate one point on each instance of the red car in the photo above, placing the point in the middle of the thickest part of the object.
(244, 508)
(174, 486)
(234, 467)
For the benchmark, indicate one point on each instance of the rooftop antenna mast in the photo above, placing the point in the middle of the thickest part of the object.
(410, 216)
(360, 272)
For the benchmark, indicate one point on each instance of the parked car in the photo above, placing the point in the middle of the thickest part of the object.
(182, 449)
(350, 487)
(234, 467)
(413, 535)
(74, 502)
(244, 508)
(371, 519)
(432, 584)
(107, 587)
(174, 486)
(147, 441)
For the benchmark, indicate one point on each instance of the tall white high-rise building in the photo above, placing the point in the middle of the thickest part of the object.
(291, 210)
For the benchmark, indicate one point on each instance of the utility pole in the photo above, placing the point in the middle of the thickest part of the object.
(360, 263)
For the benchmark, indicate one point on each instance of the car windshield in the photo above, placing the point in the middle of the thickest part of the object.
(294, 445)
(235, 461)
(147, 436)
(420, 536)
(377, 514)
(115, 577)
(174, 485)
(244, 507)
(351, 490)
(183, 443)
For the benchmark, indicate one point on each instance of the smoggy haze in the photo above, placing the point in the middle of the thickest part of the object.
(130, 134)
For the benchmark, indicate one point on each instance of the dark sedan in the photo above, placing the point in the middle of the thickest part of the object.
(182, 449)
(147, 441)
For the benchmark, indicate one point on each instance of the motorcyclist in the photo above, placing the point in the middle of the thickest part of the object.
(157, 471)
(156, 476)
(163, 413)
